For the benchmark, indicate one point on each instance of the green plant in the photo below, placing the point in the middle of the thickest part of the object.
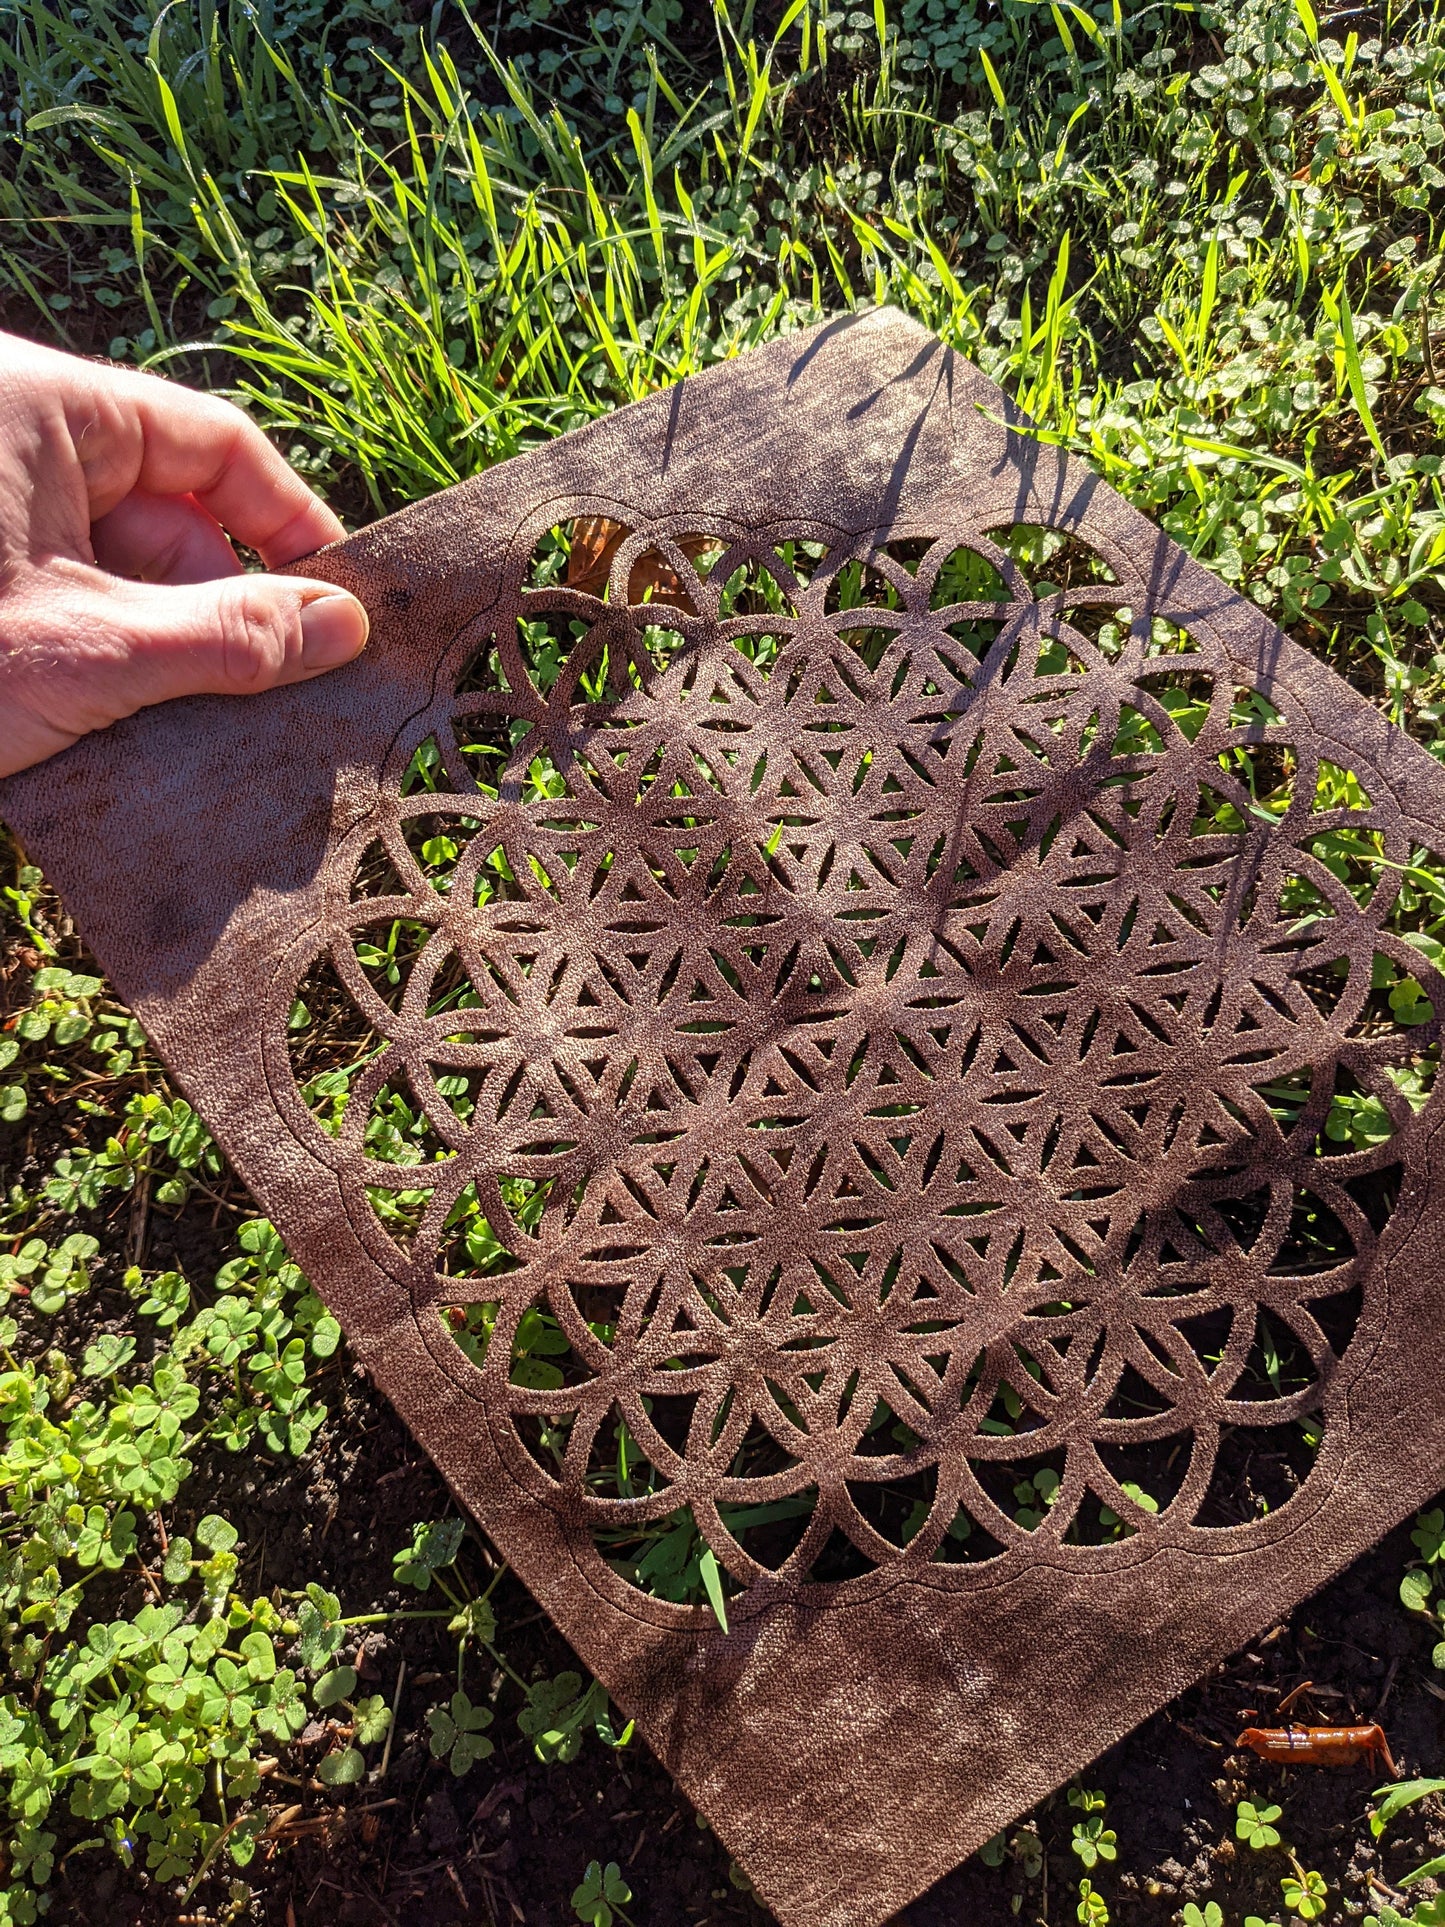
(1033, 1497)
(1023, 1846)
(560, 1712)
(1418, 1587)
(556, 1714)
(602, 1896)
(23, 896)
(1255, 1825)
(159, 1139)
(1092, 1841)
(1305, 1892)
(1027, 1849)
(433, 1550)
(151, 1728)
(1093, 1909)
(1429, 1536)
(145, 1718)
(1210, 1915)
(13, 1097)
(49, 1278)
(458, 1732)
(370, 1722)
(1408, 1793)
(60, 1007)
(1425, 1913)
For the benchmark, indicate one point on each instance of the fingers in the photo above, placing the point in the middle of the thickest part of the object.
(163, 538)
(180, 442)
(83, 649)
(144, 477)
(199, 445)
(132, 431)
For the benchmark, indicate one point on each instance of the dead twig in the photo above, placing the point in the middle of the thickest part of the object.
(487, 1896)
(1199, 1739)
(1388, 1686)
(140, 1205)
(391, 1729)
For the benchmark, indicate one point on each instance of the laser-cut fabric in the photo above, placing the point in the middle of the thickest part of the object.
(901, 1061)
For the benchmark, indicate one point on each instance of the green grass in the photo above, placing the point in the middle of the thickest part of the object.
(1202, 258)
(1200, 246)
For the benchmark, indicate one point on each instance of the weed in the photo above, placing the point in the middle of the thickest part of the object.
(1305, 1892)
(1093, 1909)
(1393, 1801)
(560, 1712)
(1022, 1845)
(1425, 1913)
(1255, 1825)
(49, 1278)
(1418, 1592)
(602, 1896)
(1092, 1841)
(458, 1733)
(23, 896)
(137, 1723)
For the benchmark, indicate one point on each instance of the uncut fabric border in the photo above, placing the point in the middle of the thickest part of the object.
(850, 1739)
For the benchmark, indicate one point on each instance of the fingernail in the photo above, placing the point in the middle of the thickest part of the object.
(334, 628)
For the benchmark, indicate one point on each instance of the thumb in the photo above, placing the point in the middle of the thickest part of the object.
(79, 649)
(232, 637)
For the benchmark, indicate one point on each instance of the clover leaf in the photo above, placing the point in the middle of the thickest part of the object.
(260, 1656)
(1415, 1592)
(1305, 1893)
(1429, 1535)
(458, 1732)
(371, 1719)
(601, 1895)
(476, 1620)
(337, 1685)
(433, 1548)
(281, 1710)
(342, 1769)
(1255, 1825)
(1093, 1841)
(319, 1633)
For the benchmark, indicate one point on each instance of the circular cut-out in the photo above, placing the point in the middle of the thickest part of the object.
(886, 1079)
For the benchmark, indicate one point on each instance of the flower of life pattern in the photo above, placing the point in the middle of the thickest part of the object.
(893, 1027)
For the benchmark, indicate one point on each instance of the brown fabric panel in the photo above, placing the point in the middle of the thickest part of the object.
(877, 982)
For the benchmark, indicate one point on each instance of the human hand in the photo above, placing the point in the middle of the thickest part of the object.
(118, 585)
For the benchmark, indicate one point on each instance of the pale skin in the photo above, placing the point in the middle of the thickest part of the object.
(120, 494)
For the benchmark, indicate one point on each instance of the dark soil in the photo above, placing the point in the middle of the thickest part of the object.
(510, 1840)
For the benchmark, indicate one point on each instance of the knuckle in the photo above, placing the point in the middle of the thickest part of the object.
(222, 419)
(259, 634)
